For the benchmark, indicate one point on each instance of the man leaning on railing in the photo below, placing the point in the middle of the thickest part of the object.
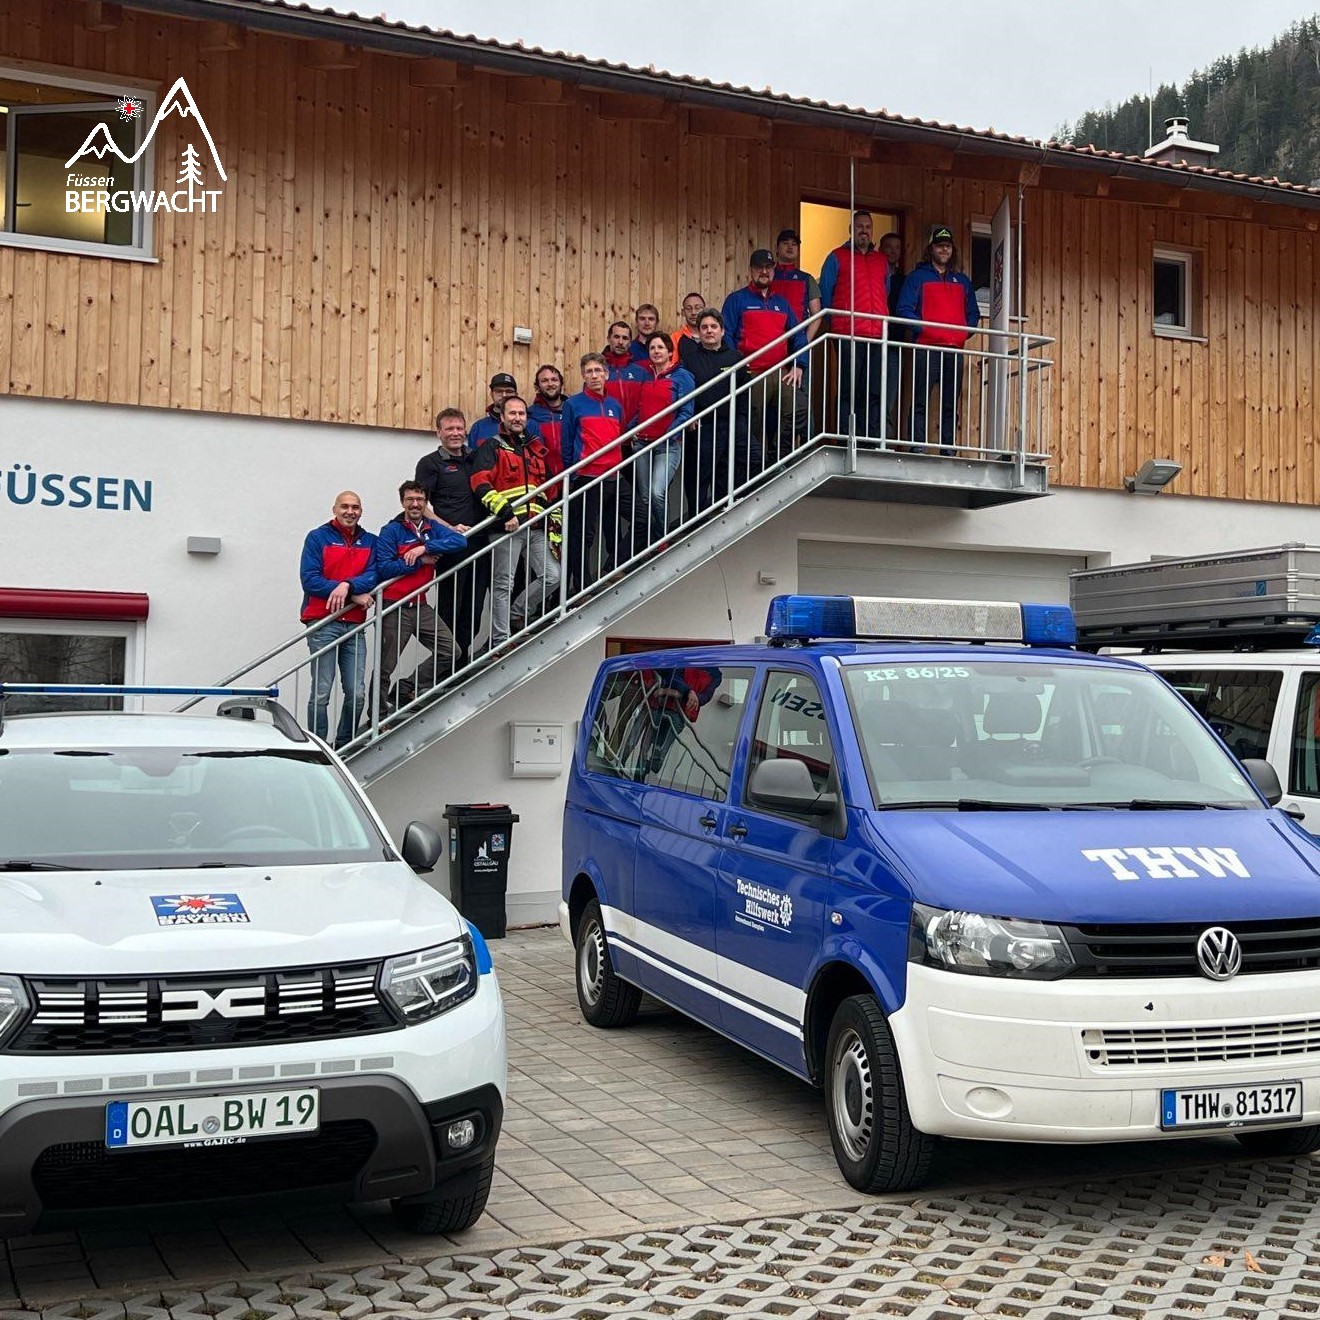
(337, 570)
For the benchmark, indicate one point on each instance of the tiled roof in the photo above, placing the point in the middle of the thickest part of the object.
(764, 100)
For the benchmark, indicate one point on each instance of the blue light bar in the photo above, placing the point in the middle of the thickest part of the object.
(802, 618)
(1313, 637)
(1048, 625)
(128, 690)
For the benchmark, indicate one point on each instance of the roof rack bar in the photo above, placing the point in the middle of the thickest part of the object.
(128, 690)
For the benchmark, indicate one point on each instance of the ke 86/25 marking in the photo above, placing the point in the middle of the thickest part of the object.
(917, 671)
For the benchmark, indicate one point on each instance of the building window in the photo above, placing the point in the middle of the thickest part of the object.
(46, 120)
(1176, 293)
(72, 651)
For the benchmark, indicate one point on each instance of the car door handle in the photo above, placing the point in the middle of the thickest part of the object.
(707, 822)
(737, 831)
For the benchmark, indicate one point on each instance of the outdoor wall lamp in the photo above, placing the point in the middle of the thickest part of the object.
(1152, 476)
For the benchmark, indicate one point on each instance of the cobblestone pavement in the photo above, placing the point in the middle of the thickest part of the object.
(618, 1143)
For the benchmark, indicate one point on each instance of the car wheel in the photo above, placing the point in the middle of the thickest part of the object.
(874, 1141)
(1281, 1141)
(605, 999)
(455, 1204)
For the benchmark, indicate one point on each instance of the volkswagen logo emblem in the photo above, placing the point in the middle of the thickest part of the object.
(1219, 953)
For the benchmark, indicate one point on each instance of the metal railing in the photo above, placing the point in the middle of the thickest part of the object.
(587, 528)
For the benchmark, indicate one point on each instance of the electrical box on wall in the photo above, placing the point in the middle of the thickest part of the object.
(536, 751)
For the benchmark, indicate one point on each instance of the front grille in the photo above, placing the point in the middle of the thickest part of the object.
(1170, 950)
(123, 1015)
(1113, 1047)
(84, 1175)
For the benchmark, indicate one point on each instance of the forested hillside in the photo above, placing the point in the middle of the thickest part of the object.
(1262, 107)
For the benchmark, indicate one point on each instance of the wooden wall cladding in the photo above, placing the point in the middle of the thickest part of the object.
(389, 220)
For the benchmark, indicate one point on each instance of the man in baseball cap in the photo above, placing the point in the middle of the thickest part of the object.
(502, 385)
(792, 283)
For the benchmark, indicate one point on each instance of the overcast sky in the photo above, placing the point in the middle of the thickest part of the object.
(1015, 66)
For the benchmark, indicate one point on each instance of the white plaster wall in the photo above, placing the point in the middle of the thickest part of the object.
(259, 485)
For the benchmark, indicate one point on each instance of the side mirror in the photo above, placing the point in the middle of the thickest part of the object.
(422, 847)
(1263, 775)
(785, 785)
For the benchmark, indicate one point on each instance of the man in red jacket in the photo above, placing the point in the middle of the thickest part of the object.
(854, 284)
(337, 570)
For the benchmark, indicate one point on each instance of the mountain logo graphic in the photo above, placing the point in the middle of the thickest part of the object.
(178, 101)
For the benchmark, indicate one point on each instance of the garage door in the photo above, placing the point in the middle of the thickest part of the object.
(841, 568)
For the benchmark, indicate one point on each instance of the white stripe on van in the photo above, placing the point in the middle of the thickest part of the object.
(712, 970)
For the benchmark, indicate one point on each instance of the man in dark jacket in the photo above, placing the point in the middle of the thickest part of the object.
(507, 472)
(446, 472)
(711, 361)
(337, 570)
(408, 548)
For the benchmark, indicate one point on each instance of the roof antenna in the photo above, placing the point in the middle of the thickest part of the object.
(1150, 105)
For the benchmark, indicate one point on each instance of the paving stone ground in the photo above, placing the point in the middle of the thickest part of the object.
(661, 1170)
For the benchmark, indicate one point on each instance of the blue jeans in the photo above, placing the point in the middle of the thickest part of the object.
(655, 470)
(351, 659)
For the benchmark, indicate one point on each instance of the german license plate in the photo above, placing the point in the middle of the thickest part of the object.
(211, 1120)
(1230, 1106)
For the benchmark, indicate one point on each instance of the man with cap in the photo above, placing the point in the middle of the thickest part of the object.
(853, 283)
(754, 317)
(799, 289)
(938, 291)
(502, 385)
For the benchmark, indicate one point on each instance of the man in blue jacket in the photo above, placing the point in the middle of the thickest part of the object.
(406, 553)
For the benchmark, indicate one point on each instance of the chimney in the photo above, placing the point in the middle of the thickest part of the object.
(1178, 149)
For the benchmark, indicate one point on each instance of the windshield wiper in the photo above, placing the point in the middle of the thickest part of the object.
(1157, 804)
(966, 804)
(22, 864)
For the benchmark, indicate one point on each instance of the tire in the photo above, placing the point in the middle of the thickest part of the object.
(877, 1147)
(1281, 1141)
(454, 1205)
(605, 1000)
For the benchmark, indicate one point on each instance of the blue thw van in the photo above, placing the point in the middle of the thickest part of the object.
(968, 880)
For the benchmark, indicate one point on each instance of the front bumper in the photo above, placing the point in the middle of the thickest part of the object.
(1002, 1060)
(385, 1100)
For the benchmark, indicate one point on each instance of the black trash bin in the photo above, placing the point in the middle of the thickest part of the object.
(480, 835)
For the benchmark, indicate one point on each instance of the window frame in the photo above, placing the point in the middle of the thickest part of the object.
(760, 699)
(130, 631)
(100, 90)
(1193, 298)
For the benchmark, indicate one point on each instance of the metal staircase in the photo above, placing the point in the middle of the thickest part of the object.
(753, 449)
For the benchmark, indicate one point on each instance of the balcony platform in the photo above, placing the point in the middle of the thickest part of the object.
(956, 481)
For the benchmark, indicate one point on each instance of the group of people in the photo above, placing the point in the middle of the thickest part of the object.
(616, 501)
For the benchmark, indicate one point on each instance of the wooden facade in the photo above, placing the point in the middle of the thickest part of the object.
(388, 220)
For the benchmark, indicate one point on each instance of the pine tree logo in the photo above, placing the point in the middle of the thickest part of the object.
(190, 176)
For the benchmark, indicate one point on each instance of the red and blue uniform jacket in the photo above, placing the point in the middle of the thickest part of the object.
(702, 682)
(399, 535)
(505, 472)
(856, 283)
(489, 425)
(655, 392)
(330, 556)
(793, 285)
(752, 319)
(549, 424)
(592, 425)
(948, 299)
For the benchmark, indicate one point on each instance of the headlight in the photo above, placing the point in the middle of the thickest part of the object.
(989, 946)
(426, 984)
(13, 1004)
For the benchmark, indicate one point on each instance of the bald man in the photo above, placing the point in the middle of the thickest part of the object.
(338, 574)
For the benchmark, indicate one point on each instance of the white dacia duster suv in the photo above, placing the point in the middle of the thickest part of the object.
(220, 978)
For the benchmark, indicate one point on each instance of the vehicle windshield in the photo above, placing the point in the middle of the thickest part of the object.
(156, 807)
(983, 734)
